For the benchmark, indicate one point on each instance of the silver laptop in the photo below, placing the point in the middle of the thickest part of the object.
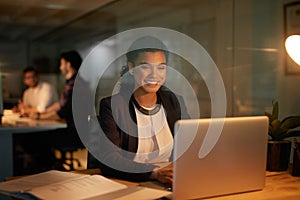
(220, 156)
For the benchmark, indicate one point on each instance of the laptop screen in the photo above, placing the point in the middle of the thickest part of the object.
(235, 163)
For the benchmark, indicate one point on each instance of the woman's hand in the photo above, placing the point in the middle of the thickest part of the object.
(164, 175)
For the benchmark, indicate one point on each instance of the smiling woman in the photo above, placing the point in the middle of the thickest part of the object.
(149, 71)
(138, 122)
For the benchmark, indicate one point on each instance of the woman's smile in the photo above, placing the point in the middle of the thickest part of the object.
(150, 71)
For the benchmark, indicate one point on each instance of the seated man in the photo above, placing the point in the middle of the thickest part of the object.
(38, 96)
(40, 145)
(62, 110)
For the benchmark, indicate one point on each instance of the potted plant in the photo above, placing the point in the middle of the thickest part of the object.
(278, 147)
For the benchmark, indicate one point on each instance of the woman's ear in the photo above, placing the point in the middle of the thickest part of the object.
(130, 67)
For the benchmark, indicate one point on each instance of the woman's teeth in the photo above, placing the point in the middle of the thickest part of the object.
(151, 82)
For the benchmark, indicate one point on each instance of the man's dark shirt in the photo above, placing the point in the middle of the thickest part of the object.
(65, 101)
(83, 110)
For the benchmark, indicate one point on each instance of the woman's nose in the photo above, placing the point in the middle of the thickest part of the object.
(154, 71)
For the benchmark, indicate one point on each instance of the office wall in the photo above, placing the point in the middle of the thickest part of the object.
(12, 58)
(15, 56)
(287, 85)
(256, 56)
(201, 21)
(260, 75)
(244, 38)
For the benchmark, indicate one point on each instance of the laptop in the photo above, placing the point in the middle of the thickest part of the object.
(219, 156)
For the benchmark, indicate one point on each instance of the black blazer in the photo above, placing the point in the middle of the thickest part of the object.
(118, 121)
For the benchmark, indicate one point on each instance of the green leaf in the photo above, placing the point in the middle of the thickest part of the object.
(278, 129)
(290, 122)
(275, 111)
(275, 124)
(278, 133)
(295, 133)
(269, 115)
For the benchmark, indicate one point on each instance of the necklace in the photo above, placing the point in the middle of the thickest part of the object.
(144, 110)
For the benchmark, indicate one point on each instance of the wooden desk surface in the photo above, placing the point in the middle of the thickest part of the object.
(279, 186)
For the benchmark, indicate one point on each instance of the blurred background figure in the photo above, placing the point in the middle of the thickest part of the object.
(70, 62)
(38, 96)
(42, 147)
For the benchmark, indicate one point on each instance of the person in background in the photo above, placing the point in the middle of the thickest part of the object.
(70, 63)
(39, 145)
(38, 96)
(138, 122)
(62, 110)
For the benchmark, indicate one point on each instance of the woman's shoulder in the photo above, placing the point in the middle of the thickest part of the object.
(116, 98)
(166, 92)
(169, 98)
(105, 99)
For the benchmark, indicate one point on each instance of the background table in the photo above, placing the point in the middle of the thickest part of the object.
(13, 124)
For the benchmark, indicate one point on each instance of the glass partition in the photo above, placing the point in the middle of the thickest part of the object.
(244, 38)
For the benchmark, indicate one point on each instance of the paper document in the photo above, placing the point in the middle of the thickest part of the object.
(58, 185)
(82, 188)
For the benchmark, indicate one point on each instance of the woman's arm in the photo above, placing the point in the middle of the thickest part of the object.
(115, 161)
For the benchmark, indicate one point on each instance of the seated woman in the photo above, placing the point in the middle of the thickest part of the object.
(138, 121)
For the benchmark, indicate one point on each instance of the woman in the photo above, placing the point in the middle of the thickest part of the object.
(138, 122)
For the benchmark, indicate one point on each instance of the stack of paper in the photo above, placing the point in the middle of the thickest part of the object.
(59, 185)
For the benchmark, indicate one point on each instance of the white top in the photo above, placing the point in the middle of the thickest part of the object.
(155, 143)
(41, 96)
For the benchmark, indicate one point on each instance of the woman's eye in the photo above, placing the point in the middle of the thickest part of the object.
(145, 66)
(161, 67)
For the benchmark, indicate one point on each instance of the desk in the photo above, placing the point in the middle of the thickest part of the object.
(279, 186)
(13, 124)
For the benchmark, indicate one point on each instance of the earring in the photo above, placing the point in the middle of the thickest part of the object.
(131, 71)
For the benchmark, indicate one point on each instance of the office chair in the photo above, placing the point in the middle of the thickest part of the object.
(68, 143)
(66, 160)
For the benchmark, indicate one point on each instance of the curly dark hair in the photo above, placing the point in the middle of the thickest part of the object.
(30, 69)
(141, 45)
(145, 44)
(73, 57)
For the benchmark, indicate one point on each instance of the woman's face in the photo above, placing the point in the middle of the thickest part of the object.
(149, 71)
